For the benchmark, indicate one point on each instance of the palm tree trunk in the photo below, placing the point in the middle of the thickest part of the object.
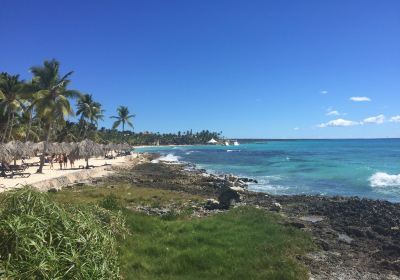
(123, 129)
(45, 147)
(11, 126)
(28, 129)
(6, 129)
(85, 131)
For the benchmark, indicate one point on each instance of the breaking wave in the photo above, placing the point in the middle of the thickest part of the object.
(167, 158)
(382, 179)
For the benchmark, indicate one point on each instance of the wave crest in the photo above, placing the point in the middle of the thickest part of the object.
(171, 158)
(382, 179)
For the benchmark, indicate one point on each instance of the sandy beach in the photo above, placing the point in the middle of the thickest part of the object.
(57, 178)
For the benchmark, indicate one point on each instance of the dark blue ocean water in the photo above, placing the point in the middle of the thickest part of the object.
(365, 168)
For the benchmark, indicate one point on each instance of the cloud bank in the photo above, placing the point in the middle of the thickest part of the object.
(395, 119)
(338, 123)
(375, 120)
(360, 99)
(331, 112)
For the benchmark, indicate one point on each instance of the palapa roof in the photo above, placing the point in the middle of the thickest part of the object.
(18, 149)
(5, 154)
(86, 149)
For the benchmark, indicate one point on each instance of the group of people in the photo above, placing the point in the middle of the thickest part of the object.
(62, 159)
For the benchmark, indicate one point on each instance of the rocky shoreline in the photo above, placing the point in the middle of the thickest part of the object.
(356, 238)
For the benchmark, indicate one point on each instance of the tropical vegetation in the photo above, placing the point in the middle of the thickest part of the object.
(41, 109)
(242, 243)
(40, 239)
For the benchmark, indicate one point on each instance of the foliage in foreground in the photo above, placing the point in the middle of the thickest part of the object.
(41, 240)
(243, 243)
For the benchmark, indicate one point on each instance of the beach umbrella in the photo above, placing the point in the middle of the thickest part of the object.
(19, 150)
(87, 149)
(38, 147)
(5, 155)
(126, 147)
(52, 148)
(66, 148)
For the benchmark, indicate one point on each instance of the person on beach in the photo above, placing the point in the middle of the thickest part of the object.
(60, 161)
(65, 160)
(51, 160)
(71, 162)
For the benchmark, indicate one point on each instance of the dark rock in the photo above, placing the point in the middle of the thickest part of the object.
(391, 250)
(212, 204)
(324, 245)
(297, 225)
(52, 190)
(370, 234)
(227, 197)
(354, 231)
(276, 207)
(379, 229)
(248, 180)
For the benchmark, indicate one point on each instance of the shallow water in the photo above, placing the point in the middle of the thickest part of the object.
(365, 168)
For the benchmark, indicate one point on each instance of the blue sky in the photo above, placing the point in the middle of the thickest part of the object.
(265, 69)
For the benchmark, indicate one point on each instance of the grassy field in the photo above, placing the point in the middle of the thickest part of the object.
(51, 236)
(242, 243)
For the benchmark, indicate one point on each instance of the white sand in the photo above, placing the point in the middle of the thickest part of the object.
(56, 178)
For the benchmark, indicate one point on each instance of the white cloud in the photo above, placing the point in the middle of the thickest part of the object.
(331, 112)
(324, 92)
(296, 128)
(376, 119)
(360, 99)
(395, 119)
(338, 122)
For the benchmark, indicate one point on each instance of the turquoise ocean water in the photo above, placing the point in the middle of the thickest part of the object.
(365, 168)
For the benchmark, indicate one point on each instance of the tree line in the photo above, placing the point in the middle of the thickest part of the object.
(38, 110)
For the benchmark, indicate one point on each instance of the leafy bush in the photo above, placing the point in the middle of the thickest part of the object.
(110, 202)
(42, 240)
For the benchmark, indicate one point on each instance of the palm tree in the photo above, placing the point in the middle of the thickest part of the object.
(29, 106)
(11, 88)
(89, 110)
(52, 103)
(122, 118)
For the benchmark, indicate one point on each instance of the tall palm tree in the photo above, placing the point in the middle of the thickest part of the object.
(89, 110)
(123, 117)
(11, 88)
(52, 103)
(29, 106)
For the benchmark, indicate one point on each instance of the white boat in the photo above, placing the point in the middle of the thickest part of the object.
(236, 143)
(227, 143)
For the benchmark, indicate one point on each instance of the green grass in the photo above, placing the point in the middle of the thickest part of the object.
(40, 239)
(126, 195)
(244, 243)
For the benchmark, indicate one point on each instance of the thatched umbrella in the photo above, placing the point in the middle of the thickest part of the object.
(126, 147)
(5, 155)
(38, 147)
(66, 148)
(19, 150)
(86, 149)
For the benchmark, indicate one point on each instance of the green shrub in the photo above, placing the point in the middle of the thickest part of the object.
(42, 240)
(110, 202)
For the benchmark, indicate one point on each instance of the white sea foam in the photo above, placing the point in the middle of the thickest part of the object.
(170, 158)
(382, 179)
